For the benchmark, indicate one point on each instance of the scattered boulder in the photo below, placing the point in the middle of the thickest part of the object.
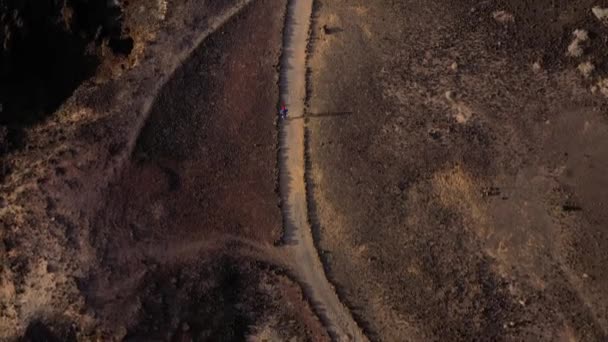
(462, 113)
(586, 69)
(503, 17)
(602, 87)
(575, 49)
(601, 14)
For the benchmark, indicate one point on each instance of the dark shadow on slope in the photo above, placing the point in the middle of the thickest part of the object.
(40, 332)
(47, 49)
(207, 303)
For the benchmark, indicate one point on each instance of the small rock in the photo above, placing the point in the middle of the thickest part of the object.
(449, 95)
(585, 275)
(586, 68)
(503, 17)
(575, 49)
(434, 134)
(454, 66)
(602, 86)
(536, 67)
(601, 14)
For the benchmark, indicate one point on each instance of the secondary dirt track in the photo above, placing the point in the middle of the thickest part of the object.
(463, 199)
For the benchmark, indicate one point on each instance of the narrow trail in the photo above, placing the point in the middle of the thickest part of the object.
(170, 64)
(298, 235)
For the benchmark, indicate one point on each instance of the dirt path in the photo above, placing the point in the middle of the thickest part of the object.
(170, 64)
(298, 237)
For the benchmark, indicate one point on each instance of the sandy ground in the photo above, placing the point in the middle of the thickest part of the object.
(461, 197)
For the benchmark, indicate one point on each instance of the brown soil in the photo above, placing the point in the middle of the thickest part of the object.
(178, 245)
(462, 197)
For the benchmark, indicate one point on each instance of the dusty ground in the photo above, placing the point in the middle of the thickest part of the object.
(455, 167)
(463, 197)
(112, 233)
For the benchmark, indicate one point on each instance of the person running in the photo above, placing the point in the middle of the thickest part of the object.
(283, 112)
